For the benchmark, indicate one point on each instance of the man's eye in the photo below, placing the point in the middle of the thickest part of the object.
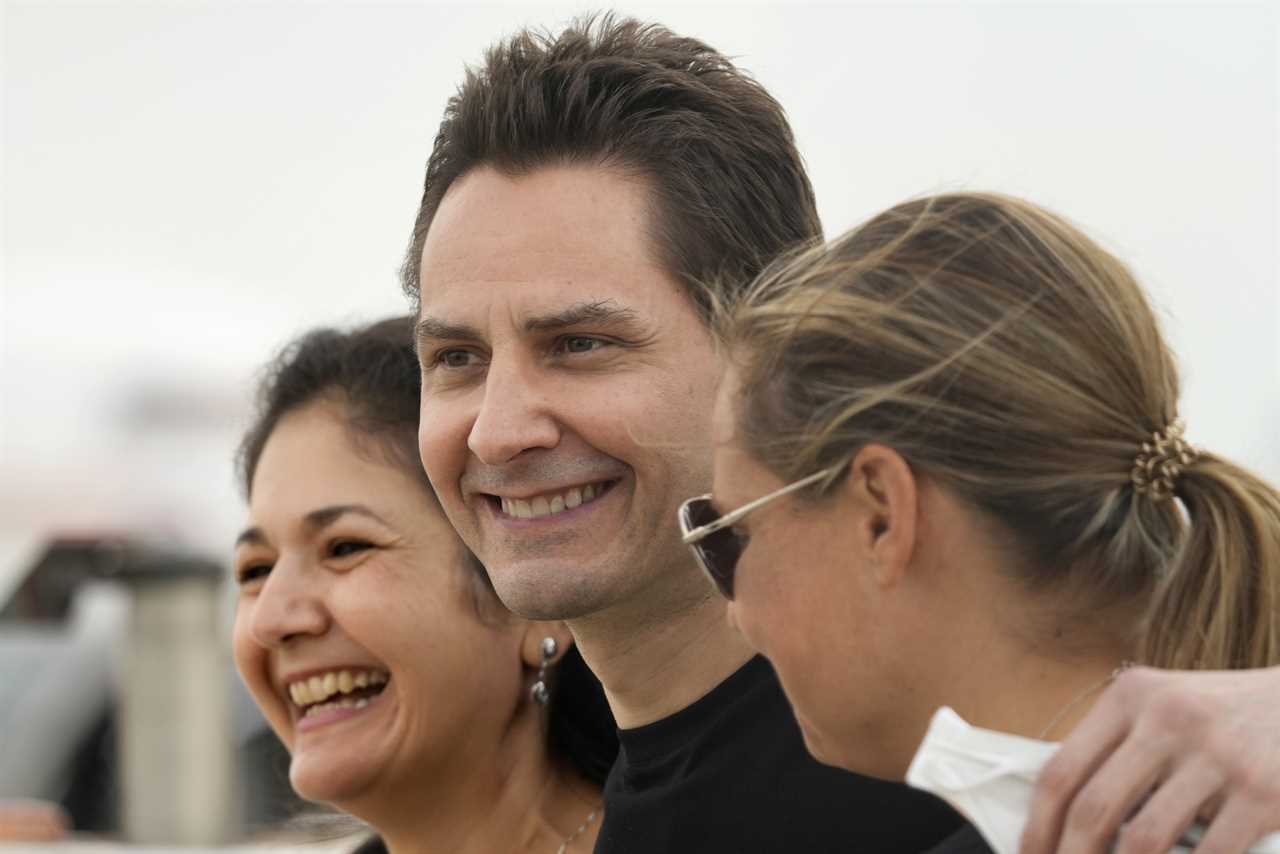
(580, 344)
(455, 358)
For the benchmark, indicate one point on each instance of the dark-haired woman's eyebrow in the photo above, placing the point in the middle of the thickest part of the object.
(315, 521)
(251, 537)
(318, 520)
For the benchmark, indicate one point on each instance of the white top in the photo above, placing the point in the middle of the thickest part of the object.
(989, 777)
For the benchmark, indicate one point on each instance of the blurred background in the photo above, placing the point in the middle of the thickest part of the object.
(187, 185)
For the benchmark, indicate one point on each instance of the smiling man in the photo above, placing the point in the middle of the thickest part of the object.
(589, 196)
(564, 372)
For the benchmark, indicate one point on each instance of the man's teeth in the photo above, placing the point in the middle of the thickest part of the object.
(317, 689)
(549, 505)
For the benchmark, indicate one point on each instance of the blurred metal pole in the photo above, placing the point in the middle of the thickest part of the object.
(176, 749)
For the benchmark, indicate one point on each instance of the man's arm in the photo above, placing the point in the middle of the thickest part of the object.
(1201, 744)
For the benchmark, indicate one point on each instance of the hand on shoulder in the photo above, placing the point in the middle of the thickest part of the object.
(1165, 747)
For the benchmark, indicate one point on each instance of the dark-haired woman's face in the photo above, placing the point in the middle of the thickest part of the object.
(356, 628)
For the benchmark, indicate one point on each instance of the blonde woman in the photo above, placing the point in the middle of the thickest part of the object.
(951, 445)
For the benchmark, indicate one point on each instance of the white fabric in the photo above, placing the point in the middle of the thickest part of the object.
(989, 776)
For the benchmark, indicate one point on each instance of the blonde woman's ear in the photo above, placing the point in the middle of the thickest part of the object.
(536, 633)
(884, 496)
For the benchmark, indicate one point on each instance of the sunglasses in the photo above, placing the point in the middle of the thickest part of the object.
(715, 545)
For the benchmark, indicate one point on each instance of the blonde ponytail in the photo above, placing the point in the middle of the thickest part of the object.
(1218, 606)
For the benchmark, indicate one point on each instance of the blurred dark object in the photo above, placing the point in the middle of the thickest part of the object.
(267, 800)
(114, 690)
(60, 636)
(46, 591)
(92, 798)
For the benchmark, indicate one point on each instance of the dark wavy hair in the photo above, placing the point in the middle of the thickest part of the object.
(373, 372)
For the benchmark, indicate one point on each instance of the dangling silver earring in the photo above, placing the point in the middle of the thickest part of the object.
(540, 692)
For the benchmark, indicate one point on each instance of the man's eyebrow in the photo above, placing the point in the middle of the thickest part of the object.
(588, 312)
(433, 329)
(595, 312)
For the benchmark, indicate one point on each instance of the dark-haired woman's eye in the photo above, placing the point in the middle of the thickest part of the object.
(346, 548)
(250, 573)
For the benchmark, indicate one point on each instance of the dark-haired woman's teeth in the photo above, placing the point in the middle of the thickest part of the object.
(551, 503)
(319, 688)
(343, 703)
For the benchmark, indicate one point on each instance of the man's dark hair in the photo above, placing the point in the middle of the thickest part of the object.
(729, 190)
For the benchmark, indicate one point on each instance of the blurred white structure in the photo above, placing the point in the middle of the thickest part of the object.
(176, 751)
(187, 185)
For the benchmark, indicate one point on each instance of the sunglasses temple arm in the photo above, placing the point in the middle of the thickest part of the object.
(730, 518)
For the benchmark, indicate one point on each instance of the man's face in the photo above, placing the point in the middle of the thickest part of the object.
(567, 391)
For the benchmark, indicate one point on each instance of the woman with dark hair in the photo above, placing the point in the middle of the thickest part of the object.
(953, 499)
(371, 638)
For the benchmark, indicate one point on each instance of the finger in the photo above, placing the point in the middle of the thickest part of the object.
(1240, 823)
(1089, 745)
(1170, 810)
(1116, 788)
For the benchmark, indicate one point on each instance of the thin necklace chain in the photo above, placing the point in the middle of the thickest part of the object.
(1080, 698)
(568, 840)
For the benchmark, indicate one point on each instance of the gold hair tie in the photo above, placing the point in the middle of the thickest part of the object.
(1160, 461)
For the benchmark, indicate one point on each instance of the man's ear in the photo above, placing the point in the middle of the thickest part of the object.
(884, 494)
(531, 643)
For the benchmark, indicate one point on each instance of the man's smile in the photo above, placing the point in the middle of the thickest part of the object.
(551, 502)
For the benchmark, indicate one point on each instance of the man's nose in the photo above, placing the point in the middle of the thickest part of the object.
(515, 415)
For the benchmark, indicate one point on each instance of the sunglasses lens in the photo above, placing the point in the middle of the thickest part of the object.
(718, 552)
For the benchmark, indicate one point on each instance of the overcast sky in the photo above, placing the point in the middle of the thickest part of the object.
(186, 186)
